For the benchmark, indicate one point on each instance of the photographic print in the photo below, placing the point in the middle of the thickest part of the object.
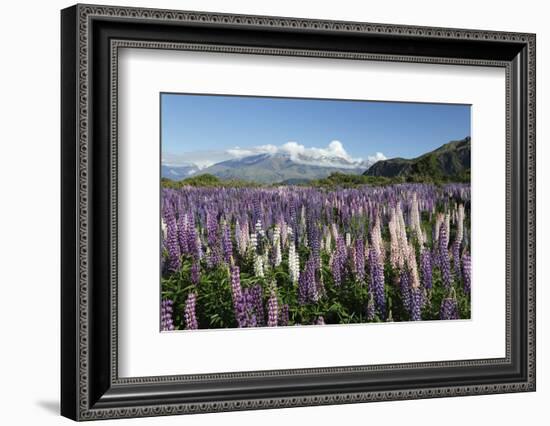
(309, 212)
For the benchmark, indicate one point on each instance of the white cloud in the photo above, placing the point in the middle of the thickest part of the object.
(335, 150)
(238, 152)
(376, 157)
(333, 155)
(201, 159)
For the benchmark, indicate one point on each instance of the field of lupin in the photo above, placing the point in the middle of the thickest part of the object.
(293, 255)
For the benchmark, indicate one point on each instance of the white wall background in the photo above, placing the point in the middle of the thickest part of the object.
(29, 213)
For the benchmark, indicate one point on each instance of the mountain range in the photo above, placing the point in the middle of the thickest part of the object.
(178, 172)
(267, 168)
(449, 160)
(281, 168)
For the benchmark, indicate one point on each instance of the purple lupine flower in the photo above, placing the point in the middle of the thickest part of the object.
(272, 310)
(370, 308)
(239, 300)
(310, 268)
(435, 254)
(191, 235)
(360, 259)
(302, 289)
(293, 217)
(212, 236)
(257, 210)
(449, 307)
(236, 289)
(190, 316)
(377, 281)
(315, 244)
(426, 268)
(195, 272)
(335, 268)
(227, 245)
(238, 237)
(300, 213)
(416, 302)
(183, 225)
(172, 243)
(456, 257)
(338, 261)
(445, 263)
(256, 293)
(307, 286)
(248, 300)
(405, 289)
(467, 272)
(166, 311)
(197, 247)
(436, 258)
(284, 315)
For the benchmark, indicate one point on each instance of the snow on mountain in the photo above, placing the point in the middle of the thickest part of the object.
(334, 155)
(270, 163)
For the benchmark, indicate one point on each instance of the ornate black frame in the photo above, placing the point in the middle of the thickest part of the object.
(91, 37)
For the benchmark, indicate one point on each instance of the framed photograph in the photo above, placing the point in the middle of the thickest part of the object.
(263, 212)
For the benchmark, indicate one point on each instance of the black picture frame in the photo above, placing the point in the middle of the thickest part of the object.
(90, 386)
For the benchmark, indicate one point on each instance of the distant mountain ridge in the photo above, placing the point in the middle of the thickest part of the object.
(449, 160)
(178, 172)
(275, 168)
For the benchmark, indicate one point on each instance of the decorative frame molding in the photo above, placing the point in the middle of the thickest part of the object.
(91, 37)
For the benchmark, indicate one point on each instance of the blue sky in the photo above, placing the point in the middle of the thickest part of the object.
(206, 128)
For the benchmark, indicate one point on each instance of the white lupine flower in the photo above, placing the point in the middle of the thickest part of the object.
(259, 229)
(334, 229)
(399, 245)
(328, 242)
(460, 224)
(284, 233)
(377, 241)
(438, 221)
(415, 220)
(238, 239)
(395, 253)
(243, 240)
(293, 263)
(277, 256)
(411, 262)
(303, 219)
(253, 243)
(348, 239)
(198, 245)
(402, 233)
(258, 266)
